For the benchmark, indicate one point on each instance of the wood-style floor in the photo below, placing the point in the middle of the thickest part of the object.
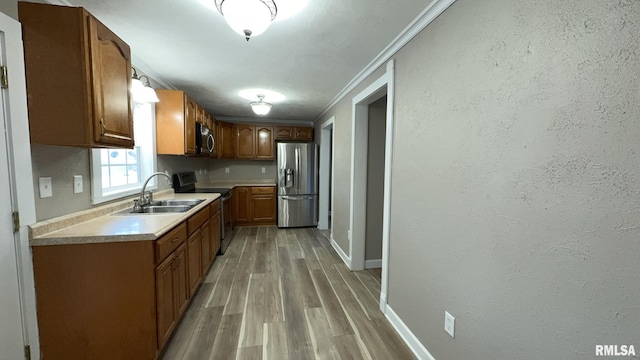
(285, 294)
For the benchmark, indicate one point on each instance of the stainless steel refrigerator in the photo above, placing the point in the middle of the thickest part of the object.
(297, 184)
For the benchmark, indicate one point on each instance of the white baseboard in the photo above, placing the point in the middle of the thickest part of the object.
(409, 338)
(373, 264)
(343, 256)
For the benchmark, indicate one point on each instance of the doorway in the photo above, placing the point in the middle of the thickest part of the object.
(325, 220)
(379, 89)
(18, 324)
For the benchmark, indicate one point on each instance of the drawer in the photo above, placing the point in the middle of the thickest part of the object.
(195, 221)
(215, 206)
(170, 241)
(263, 190)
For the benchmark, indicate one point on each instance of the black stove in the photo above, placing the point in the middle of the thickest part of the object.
(185, 182)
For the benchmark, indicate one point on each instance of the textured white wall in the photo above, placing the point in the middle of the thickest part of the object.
(516, 179)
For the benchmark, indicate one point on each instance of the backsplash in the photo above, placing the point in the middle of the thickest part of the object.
(62, 163)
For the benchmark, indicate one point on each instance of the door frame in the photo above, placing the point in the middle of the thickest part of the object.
(326, 173)
(19, 156)
(384, 85)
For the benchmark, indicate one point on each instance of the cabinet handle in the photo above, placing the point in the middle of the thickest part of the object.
(175, 239)
(102, 126)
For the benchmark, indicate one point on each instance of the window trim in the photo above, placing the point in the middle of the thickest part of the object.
(97, 196)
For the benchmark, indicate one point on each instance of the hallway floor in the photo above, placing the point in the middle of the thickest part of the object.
(285, 294)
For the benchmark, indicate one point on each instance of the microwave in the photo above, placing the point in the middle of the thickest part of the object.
(205, 141)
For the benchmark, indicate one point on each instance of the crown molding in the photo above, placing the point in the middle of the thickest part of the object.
(428, 15)
(264, 121)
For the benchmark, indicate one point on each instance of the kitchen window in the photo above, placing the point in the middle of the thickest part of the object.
(117, 173)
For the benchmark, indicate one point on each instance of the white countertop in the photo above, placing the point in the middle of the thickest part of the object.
(104, 225)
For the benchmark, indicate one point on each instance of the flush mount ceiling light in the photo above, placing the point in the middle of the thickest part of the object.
(260, 107)
(142, 93)
(248, 17)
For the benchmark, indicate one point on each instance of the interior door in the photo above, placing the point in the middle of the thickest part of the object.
(11, 327)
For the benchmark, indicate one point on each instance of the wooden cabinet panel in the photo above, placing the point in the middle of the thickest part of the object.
(194, 258)
(105, 292)
(284, 133)
(299, 133)
(303, 133)
(196, 221)
(165, 300)
(225, 140)
(215, 234)
(170, 241)
(175, 123)
(205, 253)
(78, 78)
(241, 204)
(263, 209)
(254, 205)
(245, 141)
(180, 280)
(264, 142)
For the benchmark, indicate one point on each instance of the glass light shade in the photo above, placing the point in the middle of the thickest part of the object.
(149, 95)
(137, 90)
(261, 108)
(247, 17)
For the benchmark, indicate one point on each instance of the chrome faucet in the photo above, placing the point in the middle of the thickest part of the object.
(138, 203)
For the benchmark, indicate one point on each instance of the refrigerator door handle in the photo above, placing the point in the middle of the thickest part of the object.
(297, 197)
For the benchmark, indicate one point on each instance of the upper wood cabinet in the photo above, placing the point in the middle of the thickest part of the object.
(225, 140)
(176, 117)
(254, 142)
(78, 76)
(300, 133)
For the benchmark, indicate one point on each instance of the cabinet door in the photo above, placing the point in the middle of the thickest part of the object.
(110, 71)
(225, 140)
(181, 287)
(245, 141)
(205, 253)
(215, 234)
(191, 111)
(194, 258)
(263, 208)
(241, 205)
(264, 142)
(165, 300)
(303, 133)
(284, 133)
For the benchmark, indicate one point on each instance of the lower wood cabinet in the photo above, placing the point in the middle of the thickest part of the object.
(254, 205)
(125, 297)
(172, 293)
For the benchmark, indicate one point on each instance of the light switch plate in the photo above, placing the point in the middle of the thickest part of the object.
(45, 187)
(77, 184)
(449, 323)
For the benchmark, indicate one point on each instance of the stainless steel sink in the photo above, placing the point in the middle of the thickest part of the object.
(175, 202)
(164, 207)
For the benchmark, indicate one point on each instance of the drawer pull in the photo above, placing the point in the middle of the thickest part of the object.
(175, 239)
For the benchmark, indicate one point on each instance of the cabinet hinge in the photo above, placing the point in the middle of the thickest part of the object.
(27, 352)
(5, 77)
(16, 221)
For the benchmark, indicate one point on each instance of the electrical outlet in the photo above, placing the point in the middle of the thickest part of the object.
(226, 170)
(45, 187)
(264, 170)
(77, 184)
(449, 323)
(349, 235)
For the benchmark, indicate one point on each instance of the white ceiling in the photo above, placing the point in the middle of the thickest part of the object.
(308, 58)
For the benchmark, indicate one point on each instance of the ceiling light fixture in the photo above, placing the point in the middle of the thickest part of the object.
(248, 17)
(260, 107)
(142, 93)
